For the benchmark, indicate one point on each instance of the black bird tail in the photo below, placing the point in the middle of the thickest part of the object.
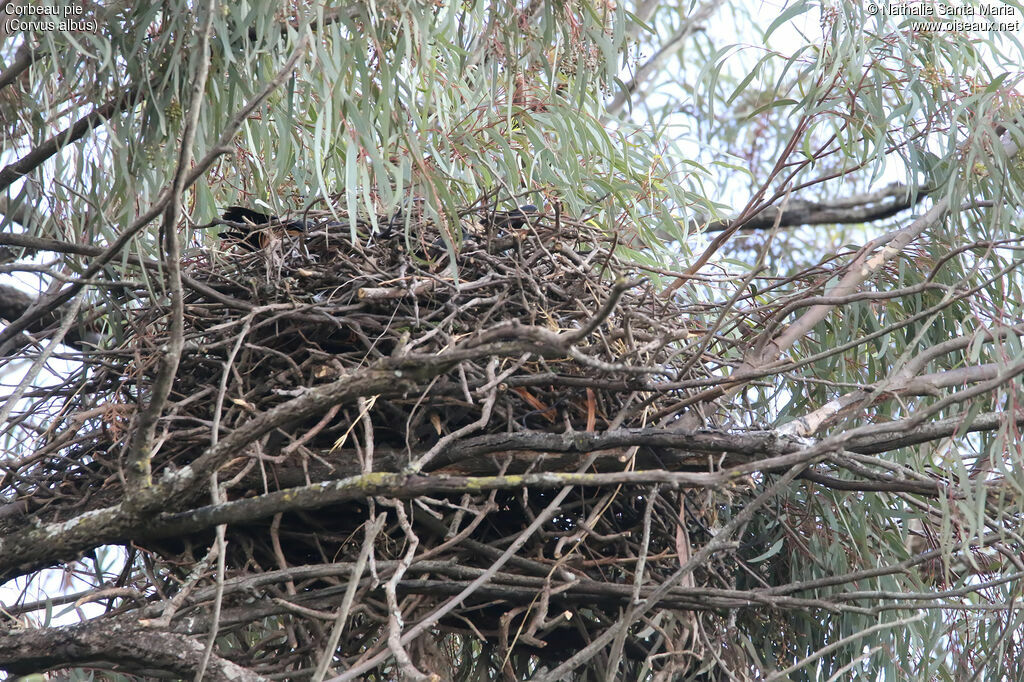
(241, 214)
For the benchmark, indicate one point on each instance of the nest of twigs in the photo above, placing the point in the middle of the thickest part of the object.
(269, 319)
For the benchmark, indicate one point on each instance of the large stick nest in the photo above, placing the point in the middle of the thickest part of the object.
(305, 309)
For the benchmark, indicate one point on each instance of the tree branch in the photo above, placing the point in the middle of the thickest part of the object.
(126, 99)
(119, 642)
(856, 208)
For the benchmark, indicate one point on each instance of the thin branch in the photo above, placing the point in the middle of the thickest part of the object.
(839, 643)
(371, 531)
(721, 539)
(485, 577)
(693, 22)
(138, 465)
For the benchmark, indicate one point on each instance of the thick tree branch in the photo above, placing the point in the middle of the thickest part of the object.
(25, 57)
(112, 525)
(860, 270)
(857, 208)
(121, 643)
(126, 99)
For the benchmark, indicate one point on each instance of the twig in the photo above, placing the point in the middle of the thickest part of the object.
(370, 535)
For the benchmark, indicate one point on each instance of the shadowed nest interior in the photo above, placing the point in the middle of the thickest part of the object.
(506, 344)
